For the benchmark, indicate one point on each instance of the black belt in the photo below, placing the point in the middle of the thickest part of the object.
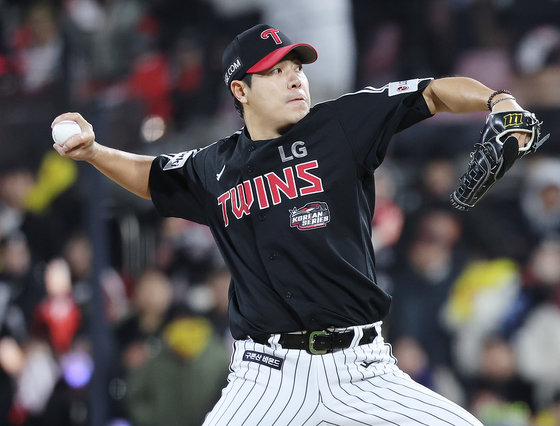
(319, 342)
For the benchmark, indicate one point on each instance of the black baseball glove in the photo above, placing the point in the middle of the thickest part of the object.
(495, 154)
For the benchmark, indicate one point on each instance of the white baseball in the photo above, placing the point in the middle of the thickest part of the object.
(64, 130)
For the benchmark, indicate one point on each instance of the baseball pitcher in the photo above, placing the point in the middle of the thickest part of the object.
(289, 199)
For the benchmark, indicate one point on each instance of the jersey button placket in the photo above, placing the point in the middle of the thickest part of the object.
(272, 256)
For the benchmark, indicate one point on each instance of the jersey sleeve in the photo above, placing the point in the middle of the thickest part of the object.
(370, 117)
(176, 186)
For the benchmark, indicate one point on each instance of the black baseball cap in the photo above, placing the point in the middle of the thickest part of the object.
(259, 48)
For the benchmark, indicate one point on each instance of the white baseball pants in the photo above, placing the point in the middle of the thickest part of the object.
(361, 385)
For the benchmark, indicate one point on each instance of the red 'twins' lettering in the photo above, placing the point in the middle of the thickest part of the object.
(241, 196)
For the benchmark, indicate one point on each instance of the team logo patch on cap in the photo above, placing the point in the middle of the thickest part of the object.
(311, 216)
(272, 33)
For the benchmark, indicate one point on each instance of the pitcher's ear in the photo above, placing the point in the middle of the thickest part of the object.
(239, 90)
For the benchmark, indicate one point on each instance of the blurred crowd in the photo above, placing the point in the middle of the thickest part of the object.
(476, 295)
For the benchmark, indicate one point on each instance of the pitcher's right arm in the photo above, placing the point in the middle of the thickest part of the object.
(131, 171)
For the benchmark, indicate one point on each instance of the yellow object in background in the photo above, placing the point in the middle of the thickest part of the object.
(478, 277)
(188, 336)
(55, 175)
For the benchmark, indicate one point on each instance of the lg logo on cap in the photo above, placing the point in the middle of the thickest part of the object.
(271, 32)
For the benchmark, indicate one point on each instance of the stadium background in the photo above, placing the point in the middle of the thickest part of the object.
(90, 276)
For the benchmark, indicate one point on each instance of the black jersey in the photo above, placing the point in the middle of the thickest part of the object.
(292, 215)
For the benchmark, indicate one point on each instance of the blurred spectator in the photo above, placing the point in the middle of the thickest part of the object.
(20, 289)
(188, 75)
(57, 318)
(541, 284)
(15, 184)
(498, 375)
(186, 251)
(150, 81)
(116, 41)
(388, 219)
(478, 303)
(180, 384)
(218, 281)
(115, 296)
(537, 57)
(78, 253)
(35, 382)
(438, 179)
(12, 362)
(542, 278)
(39, 47)
(540, 199)
(139, 332)
(422, 282)
(537, 346)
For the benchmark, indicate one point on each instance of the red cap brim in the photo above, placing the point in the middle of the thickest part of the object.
(307, 54)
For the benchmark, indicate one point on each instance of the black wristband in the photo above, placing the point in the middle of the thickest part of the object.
(497, 92)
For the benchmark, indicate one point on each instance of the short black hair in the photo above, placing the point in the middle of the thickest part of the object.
(247, 78)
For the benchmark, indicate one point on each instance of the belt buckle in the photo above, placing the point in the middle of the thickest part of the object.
(311, 348)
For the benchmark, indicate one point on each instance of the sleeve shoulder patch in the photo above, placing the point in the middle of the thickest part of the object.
(176, 161)
(403, 86)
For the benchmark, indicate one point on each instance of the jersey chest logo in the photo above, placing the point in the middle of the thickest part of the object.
(270, 189)
(311, 216)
